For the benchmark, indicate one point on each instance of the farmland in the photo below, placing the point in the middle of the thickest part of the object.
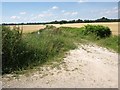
(47, 58)
(49, 43)
(31, 28)
(60, 44)
(113, 26)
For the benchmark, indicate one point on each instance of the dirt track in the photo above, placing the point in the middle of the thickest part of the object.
(89, 66)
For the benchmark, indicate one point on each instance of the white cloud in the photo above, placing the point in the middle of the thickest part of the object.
(45, 15)
(15, 17)
(22, 13)
(110, 11)
(81, 1)
(70, 13)
(41, 15)
(115, 8)
(55, 7)
(63, 11)
(33, 18)
(32, 15)
(74, 13)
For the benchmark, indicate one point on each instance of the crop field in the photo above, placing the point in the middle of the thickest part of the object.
(31, 28)
(113, 26)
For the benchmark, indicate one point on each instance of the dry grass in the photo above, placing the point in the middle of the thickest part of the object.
(31, 28)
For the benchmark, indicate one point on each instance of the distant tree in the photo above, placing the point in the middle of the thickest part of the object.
(87, 21)
(63, 22)
(79, 21)
(103, 19)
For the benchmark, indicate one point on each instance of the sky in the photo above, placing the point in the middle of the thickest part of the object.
(22, 12)
(59, 0)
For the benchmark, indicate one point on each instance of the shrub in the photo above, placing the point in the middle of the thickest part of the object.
(15, 53)
(97, 30)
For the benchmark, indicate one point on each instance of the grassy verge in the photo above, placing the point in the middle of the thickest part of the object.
(111, 42)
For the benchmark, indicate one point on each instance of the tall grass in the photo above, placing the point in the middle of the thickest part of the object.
(21, 52)
(111, 42)
(16, 54)
(51, 42)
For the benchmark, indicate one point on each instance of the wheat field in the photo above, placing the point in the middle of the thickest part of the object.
(31, 28)
(112, 25)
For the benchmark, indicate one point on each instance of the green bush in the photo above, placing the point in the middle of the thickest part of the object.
(98, 30)
(15, 53)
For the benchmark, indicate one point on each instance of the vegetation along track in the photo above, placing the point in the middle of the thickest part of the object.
(84, 65)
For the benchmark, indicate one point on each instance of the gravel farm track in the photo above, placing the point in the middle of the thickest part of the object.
(88, 66)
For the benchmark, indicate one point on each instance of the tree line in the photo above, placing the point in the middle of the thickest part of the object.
(103, 19)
